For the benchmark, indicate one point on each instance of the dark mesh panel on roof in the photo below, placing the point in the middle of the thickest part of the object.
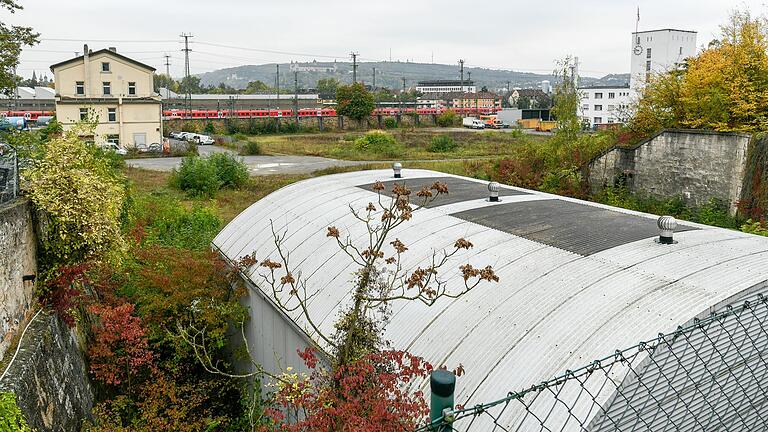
(577, 228)
(458, 189)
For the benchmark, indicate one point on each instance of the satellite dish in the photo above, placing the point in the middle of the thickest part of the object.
(638, 50)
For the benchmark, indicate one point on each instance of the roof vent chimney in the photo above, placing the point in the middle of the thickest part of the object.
(397, 167)
(493, 189)
(667, 225)
(113, 49)
(85, 49)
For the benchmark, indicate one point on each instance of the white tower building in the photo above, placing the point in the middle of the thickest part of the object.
(657, 51)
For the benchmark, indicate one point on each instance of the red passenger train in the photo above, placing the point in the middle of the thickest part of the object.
(29, 115)
(172, 114)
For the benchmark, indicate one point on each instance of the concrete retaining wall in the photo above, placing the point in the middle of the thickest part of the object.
(18, 267)
(50, 378)
(696, 165)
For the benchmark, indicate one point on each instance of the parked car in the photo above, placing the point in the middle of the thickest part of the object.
(115, 148)
(177, 135)
(473, 123)
(151, 148)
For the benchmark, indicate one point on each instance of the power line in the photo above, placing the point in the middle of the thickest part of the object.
(107, 40)
(270, 51)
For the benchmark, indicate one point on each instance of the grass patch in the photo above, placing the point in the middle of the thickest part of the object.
(227, 203)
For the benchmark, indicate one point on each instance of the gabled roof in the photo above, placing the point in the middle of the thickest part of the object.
(104, 51)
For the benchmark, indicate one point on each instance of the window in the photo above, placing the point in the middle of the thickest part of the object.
(105, 66)
(610, 119)
(598, 95)
(611, 107)
(112, 114)
(611, 95)
(648, 53)
(648, 65)
(681, 51)
(107, 87)
(113, 139)
(80, 88)
(598, 107)
(598, 120)
(132, 89)
(585, 107)
(83, 113)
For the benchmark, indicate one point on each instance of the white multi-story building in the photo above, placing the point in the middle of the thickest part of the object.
(446, 86)
(658, 51)
(605, 104)
(653, 51)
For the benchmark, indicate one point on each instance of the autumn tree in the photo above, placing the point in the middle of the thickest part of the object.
(12, 40)
(327, 85)
(354, 101)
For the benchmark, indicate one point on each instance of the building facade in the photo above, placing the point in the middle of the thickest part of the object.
(112, 89)
(446, 86)
(657, 51)
(605, 104)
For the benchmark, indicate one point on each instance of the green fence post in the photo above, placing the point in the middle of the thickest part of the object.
(442, 384)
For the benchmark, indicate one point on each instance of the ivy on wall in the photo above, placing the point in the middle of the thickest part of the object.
(11, 418)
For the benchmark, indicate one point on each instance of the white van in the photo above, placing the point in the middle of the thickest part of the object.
(473, 123)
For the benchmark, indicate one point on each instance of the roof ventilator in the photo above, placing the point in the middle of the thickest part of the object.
(397, 167)
(493, 188)
(667, 225)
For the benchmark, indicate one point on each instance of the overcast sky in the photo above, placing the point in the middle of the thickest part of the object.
(511, 34)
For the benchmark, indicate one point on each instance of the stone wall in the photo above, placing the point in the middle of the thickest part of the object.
(49, 377)
(695, 165)
(18, 267)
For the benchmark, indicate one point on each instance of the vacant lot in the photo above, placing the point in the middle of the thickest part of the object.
(414, 145)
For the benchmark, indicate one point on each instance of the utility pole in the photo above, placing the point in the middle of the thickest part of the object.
(277, 85)
(188, 92)
(461, 67)
(168, 74)
(296, 96)
(354, 66)
(469, 84)
(402, 95)
(374, 79)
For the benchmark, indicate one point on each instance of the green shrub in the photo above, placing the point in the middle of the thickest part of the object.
(755, 227)
(196, 176)
(209, 128)
(250, 148)
(230, 171)
(11, 417)
(168, 223)
(379, 143)
(390, 123)
(442, 144)
(448, 118)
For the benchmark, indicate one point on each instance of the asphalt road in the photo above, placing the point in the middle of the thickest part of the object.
(257, 165)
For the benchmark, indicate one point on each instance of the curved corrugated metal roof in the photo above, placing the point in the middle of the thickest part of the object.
(560, 302)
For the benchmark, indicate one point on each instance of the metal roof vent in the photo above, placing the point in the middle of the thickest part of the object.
(667, 225)
(397, 167)
(493, 188)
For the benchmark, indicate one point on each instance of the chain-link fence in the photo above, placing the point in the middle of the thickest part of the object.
(9, 173)
(710, 375)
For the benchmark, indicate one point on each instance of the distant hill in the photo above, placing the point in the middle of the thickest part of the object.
(388, 74)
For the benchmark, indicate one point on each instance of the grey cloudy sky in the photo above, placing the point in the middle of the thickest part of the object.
(513, 34)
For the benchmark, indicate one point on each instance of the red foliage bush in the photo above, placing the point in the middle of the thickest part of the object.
(120, 349)
(371, 394)
(62, 294)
